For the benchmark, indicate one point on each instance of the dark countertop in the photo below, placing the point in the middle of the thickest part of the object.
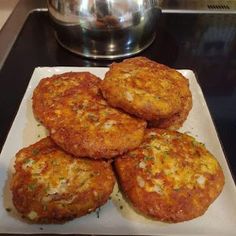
(205, 43)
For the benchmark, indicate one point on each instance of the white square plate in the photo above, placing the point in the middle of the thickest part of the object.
(220, 218)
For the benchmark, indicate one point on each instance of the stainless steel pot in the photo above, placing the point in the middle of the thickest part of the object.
(105, 29)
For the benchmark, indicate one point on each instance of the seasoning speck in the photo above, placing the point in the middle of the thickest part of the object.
(8, 209)
(35, 151)
(148, 158)
(31, 187)
(98, 212)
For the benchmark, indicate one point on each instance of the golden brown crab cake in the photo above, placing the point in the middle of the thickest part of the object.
(50, 89)
(171, 177)
(81, 122)
(49, 185)
(87, 126)
(144, 88)
(175, 121)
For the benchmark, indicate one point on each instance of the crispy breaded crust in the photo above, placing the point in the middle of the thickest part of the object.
(50, 89)
(144, 88)
(52, 186)
(175, 121)
(171, 177)
(81, 122)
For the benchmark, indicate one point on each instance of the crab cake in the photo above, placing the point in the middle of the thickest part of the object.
(51, 186)
(171, 177)
(82, 123)
(51, 88)
(144, 88)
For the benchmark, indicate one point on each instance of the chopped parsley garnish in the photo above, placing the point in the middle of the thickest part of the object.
(54, 162)
(92, 117)
(166, 153)
(35, 151)
(132, 154)
(105, 113)
(148, 146)
(27, 161)
(157, 148)
(47, 189)
(35, 174)
(98, 212)
(148, 158)
(31, 187)
(8, 209)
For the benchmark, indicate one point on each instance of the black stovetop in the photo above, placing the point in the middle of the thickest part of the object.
(204, 43)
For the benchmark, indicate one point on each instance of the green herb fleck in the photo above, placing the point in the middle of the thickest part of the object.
(105, 113)
(148, 146)
(35, 174)
(27, 161)
(47, 189)
(54, 162)
(98, 212)
(8, 209)
(166, 153)
(132, 154)
(148, 158)
(35, 151)
(38, 124)
(157, 148)
(38, 135)
(92, 118)
(31, 187)
(121, 207)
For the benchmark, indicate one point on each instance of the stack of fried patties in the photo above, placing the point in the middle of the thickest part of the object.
(164, 174)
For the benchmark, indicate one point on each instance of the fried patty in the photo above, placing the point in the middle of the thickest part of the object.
(51, 186)
(171, 177)
(50, 89)
(144, 88)
(82, 123)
